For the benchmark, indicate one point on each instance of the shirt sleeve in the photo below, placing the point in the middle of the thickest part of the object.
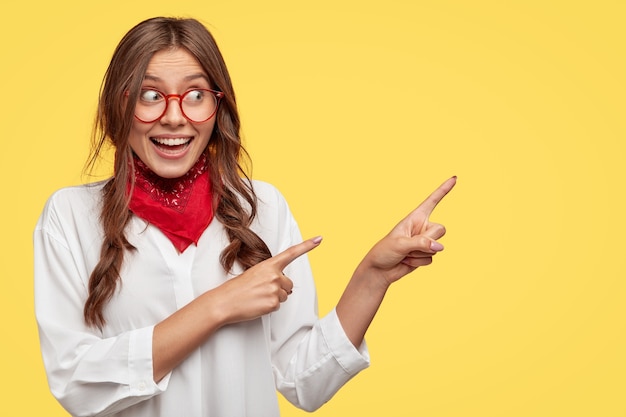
(90, 375)
(312, 358)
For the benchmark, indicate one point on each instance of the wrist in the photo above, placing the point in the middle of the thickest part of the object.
(215, 308)
(372, 278)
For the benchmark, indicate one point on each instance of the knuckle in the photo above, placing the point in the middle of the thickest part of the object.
(424, 243)
(274, 304)
(441, 229)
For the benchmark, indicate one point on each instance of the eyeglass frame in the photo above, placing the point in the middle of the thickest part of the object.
(167, 97)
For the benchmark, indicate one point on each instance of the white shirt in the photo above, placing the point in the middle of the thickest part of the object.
(235, 373)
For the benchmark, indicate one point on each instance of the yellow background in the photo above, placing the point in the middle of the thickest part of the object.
(356, 110)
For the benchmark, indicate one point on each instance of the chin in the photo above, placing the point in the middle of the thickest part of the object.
(171, 171)
(171, 174)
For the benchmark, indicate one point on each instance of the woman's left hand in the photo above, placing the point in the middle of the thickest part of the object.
(411, 243)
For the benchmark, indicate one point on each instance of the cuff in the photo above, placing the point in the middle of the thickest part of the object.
(351, 359)
(141, 375)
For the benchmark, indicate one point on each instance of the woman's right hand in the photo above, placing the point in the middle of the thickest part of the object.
(260, 289)
(256, 292)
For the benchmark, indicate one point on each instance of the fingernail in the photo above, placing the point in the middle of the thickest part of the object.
(436, 246)
(317, 239)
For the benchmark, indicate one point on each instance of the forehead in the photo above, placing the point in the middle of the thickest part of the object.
(173, 65)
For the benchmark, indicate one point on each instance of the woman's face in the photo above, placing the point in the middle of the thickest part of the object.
(171, 145)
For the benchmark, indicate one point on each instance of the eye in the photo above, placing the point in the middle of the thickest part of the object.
(194, 96)
(150, 96)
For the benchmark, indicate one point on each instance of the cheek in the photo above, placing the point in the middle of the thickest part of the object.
(206, 131)
(138, 134)
(137, 138)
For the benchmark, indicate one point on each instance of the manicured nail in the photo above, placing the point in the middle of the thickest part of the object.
(317, 239)
(436, 246)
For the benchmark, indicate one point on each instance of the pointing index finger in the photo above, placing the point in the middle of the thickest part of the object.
(294, 252)
(431, 202)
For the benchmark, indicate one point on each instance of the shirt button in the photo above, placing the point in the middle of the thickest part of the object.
(141, 386)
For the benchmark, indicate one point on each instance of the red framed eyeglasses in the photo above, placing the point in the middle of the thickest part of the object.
(196, 105)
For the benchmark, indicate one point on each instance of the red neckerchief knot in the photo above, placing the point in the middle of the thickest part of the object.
(180, 207)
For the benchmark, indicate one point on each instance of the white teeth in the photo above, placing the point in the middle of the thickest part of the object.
(171, 141)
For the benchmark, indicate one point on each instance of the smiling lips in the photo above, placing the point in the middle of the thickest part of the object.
(172, 145)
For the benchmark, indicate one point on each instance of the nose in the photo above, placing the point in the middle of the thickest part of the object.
(173, 115)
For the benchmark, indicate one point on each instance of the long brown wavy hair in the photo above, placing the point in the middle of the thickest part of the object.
(231, 185)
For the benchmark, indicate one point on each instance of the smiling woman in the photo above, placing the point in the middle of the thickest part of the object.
(192, 295)
(169, 142)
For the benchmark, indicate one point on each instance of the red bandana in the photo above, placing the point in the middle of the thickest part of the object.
(180, 207)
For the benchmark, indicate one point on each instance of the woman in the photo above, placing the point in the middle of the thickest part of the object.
(177, 287)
